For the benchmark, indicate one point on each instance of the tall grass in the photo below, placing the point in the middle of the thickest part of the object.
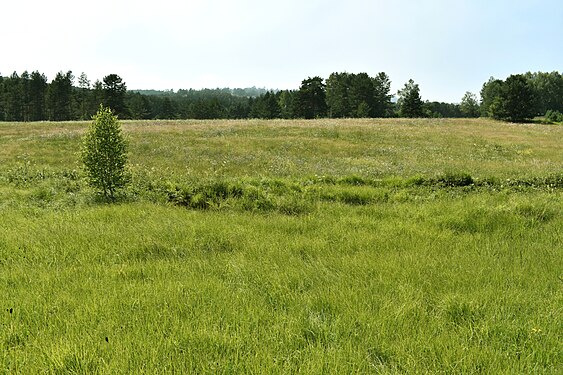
(285, 247)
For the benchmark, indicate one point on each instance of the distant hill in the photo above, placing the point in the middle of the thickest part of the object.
(248, 92)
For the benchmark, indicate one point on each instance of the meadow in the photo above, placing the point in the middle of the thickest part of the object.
(285, 246)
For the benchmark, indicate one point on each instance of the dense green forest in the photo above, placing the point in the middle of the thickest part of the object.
(31, 97)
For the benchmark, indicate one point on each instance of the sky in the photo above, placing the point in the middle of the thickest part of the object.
(448, 47)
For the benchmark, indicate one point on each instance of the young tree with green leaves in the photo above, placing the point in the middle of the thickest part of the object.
(104, 154)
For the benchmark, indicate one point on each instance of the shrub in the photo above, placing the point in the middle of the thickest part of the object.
(205, 196)
(104, 154)
(454, 179)
(553, 116)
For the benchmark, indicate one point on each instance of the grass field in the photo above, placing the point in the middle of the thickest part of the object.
(276, 247)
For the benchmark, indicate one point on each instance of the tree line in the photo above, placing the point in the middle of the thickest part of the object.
(523, 96)
(30, 97)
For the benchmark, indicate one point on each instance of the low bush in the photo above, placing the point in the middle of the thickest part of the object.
(204, 196)
(455, 179)
(553, 116)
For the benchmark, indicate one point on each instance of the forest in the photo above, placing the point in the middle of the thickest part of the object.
(31, 97)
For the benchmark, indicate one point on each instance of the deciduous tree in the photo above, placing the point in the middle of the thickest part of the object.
(469, 105)
(489, 92)
(104, 154)
(515, 101)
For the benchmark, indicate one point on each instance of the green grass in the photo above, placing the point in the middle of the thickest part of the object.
(365, 246)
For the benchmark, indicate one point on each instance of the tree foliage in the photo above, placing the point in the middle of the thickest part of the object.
(382, 95)
(358, 95)
(266, 106)
(337, 94)
(104, 154)
(38, 88)
(114, 90)
(13, 98)
(286, 101)
(30, 97)
(59, 97)
(361, 95)
(469, 106)
(512, 99)
(441, 110)
(410, 103)
(311, 98)
(548, 91)
(552, 116)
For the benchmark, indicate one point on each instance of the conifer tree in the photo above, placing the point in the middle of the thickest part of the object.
(410, 103)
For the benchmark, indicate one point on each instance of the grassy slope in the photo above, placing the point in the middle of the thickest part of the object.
(297, 148)
(428, 280)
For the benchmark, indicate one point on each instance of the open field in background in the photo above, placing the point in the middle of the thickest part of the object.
(292, 148)
(326, 246)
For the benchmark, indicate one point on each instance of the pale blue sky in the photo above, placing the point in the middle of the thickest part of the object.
(447, 46)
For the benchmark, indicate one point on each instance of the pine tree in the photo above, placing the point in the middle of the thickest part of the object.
(361, 95)
(38, 91)
(382, 96)
(83, 96)
(13, 92)
(114, 90)
(410, 103)
(311, 98)
(59, 97)
(337, 95)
